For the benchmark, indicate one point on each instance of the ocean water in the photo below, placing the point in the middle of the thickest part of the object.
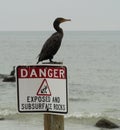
(92, 60)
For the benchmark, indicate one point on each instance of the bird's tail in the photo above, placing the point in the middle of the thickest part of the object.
(37, 62)
(38, 58)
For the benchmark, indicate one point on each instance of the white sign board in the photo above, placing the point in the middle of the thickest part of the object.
(42, 88)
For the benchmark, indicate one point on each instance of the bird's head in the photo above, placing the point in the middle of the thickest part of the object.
(61, 20)
(57, 23)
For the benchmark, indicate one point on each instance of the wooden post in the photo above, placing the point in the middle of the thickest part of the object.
(53, 122)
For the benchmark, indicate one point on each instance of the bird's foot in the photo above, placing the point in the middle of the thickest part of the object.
(55, 62)
(52, 62)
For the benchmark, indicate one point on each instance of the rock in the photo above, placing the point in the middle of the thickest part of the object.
(1, 118)
(104, 123)
(9, 79)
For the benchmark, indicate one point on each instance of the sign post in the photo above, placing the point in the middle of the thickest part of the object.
(53, 122)
(43, 88)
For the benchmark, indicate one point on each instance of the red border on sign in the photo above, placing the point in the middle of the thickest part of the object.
(44, 94)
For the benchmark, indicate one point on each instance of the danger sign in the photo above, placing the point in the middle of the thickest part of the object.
(42, 88)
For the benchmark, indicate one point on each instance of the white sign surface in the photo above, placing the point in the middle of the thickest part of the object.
(42, 89)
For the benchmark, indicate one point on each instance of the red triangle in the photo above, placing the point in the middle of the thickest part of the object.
(44, 89)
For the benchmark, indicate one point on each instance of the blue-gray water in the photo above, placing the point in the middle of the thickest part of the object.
(93, 62)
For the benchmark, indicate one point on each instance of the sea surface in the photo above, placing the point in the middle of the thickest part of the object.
(93, 63)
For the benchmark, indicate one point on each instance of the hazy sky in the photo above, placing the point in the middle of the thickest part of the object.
(40, 14)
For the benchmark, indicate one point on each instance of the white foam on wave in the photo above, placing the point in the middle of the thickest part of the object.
(84, 115)
(7, 112)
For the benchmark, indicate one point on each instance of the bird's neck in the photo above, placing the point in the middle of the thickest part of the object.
(57, 28)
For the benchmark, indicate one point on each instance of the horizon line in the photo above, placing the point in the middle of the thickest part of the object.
(53, 30)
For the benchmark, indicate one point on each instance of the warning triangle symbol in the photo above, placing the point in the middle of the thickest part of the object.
(44, 89)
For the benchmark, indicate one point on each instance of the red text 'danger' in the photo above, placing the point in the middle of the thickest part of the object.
(43, 72)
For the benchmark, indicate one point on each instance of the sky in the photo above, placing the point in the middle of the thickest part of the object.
(38, 15)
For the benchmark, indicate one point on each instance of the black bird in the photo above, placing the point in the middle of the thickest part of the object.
(52, 45)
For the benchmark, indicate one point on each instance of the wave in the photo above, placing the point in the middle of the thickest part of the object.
(76, 117)
(89, 118)
(79, 116)
(75, 99)
(13, 114)
(7, 112)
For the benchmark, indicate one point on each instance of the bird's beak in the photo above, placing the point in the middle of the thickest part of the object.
(65, 20)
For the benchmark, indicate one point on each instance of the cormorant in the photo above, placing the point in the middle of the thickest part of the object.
(52, 45)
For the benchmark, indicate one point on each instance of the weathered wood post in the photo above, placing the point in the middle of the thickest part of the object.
(53, 122)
